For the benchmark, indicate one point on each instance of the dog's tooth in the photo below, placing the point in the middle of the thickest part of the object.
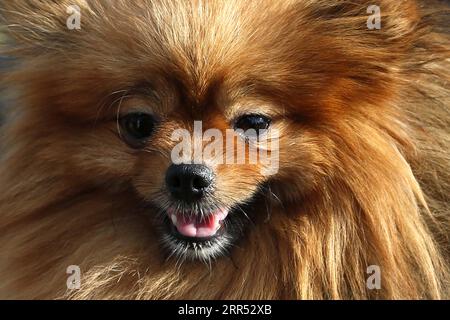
(222, 214)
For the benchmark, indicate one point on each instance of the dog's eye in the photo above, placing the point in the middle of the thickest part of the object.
(252, 122)
(137, 127)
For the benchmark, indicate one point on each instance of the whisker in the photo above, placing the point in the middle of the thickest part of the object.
(101, 105)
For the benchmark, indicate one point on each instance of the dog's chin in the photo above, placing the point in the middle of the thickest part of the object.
(200, 236)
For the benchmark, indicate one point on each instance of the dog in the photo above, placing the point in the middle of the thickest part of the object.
(355, 94)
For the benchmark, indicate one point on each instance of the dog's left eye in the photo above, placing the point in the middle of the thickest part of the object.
(252, 122)
(138, 127)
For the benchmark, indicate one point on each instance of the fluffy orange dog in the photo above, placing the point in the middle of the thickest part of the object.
(87, 178)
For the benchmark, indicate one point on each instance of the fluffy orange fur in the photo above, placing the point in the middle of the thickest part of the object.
(364, 150)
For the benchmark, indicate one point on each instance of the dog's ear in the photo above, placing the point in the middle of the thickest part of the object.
(44, 24)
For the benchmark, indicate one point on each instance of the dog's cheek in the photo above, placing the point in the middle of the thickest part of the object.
(238, 183)
(148, 177)
(306, 158)
(88, 153)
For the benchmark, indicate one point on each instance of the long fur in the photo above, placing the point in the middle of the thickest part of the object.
(364, 153)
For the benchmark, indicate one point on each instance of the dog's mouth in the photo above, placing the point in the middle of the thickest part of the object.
(201, 235)
(193, 227)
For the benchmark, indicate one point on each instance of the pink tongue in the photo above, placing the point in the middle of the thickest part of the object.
(194, 228)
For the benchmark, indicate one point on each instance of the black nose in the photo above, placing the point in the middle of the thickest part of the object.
(188, 182)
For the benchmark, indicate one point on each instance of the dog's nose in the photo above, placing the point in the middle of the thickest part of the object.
(189, 182)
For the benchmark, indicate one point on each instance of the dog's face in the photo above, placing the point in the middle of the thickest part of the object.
(120, 89)
(195, 180)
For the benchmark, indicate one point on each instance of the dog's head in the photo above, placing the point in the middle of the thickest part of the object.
(206, 109)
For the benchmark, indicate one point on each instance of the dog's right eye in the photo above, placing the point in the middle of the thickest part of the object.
(137, 127)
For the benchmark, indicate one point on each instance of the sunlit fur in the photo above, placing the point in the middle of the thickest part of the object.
(364, 173)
